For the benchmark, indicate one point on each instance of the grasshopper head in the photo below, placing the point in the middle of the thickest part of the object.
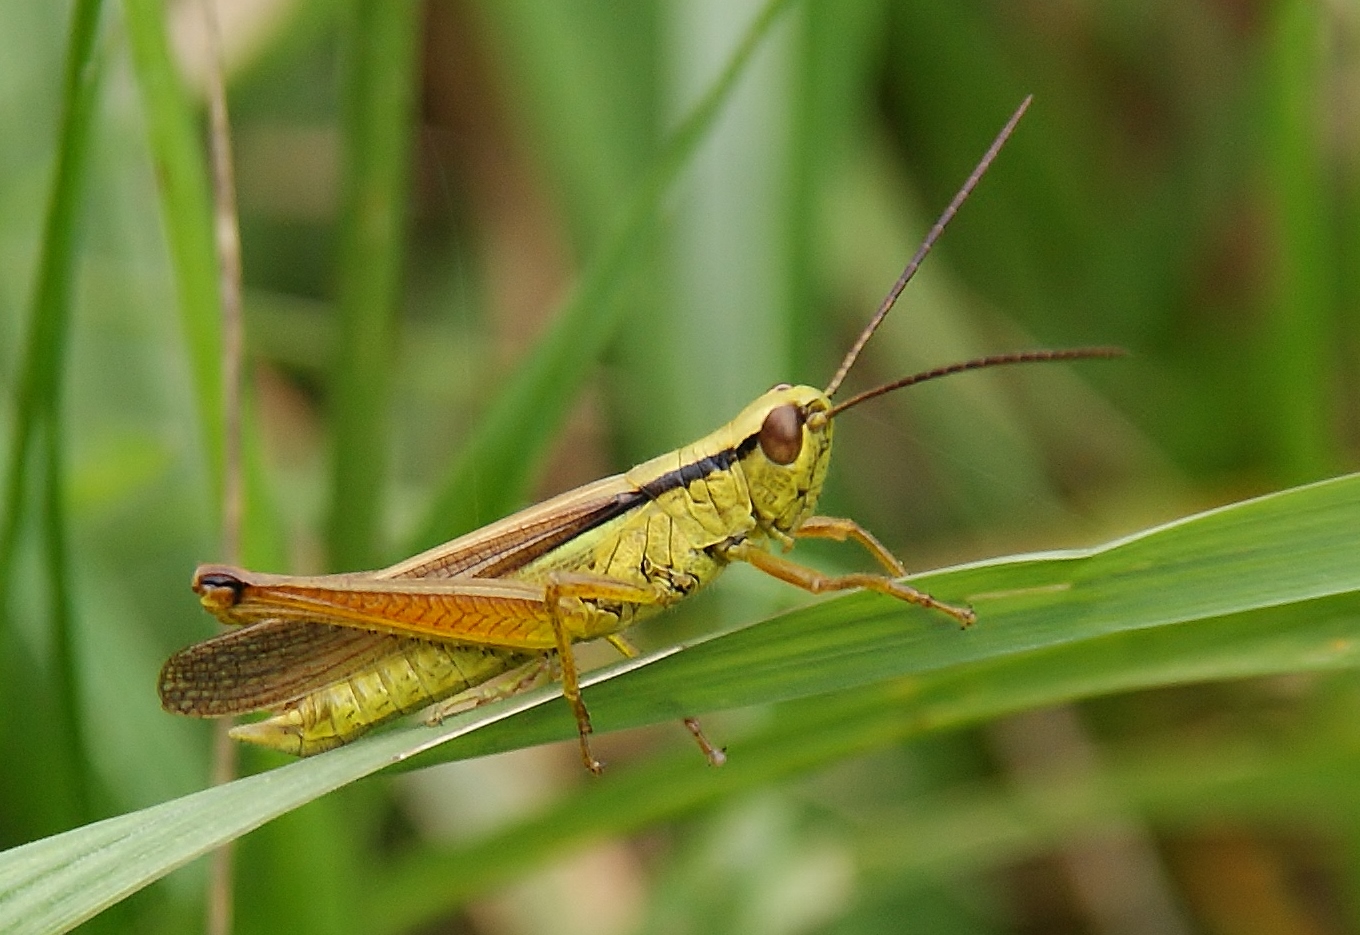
(785, 452)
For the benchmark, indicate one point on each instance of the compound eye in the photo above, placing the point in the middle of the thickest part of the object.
(781, 434)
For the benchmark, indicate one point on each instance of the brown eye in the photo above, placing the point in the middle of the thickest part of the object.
(781, 435)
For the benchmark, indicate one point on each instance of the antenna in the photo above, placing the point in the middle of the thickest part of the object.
(891, 299)
(996, 360)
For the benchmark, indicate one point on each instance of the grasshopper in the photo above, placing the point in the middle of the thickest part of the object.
(498, 610)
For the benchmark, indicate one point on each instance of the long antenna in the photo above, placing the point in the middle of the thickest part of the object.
(886, 306)
(996, 360)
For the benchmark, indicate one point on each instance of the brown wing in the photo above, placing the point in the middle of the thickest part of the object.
(266, 665)
(511, 543)
(269, 662)
(502, 612)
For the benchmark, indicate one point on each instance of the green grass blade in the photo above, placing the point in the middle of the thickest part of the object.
(1269, 585)
(38, 399)
(500, 458)
(187, 214)
(1297, 346)
(584, 79)
(807, 733)
(40, 375)
(186, 207)
(376, 126)
(65, 664)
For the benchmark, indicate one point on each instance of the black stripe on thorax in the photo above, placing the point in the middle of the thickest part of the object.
(619, 505)
(687, 474)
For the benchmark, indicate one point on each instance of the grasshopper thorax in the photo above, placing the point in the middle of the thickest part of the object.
(784, 450)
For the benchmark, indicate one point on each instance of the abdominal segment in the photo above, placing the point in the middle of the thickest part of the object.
(416, 674)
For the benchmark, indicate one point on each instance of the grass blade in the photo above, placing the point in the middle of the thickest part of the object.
(1269, 585)
(378, 102)
(805, 734)
(1297, 345)
(187, 213)
(186, 207)
(512, 437)
(38, 398)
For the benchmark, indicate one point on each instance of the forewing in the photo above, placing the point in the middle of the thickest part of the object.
(299, 634)
(501, 612)
(507, 545)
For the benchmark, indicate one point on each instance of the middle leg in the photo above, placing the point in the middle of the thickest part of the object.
(562, 587)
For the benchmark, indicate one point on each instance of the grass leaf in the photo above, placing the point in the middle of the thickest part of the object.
(514, 434)
(1268, 585)
(378, 103)
(38, 398)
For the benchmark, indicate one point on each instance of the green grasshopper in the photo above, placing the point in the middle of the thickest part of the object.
(498, 610)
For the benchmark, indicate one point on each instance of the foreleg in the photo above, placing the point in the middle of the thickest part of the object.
(809, 579)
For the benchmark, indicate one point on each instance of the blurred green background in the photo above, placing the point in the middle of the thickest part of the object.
(421, 187)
